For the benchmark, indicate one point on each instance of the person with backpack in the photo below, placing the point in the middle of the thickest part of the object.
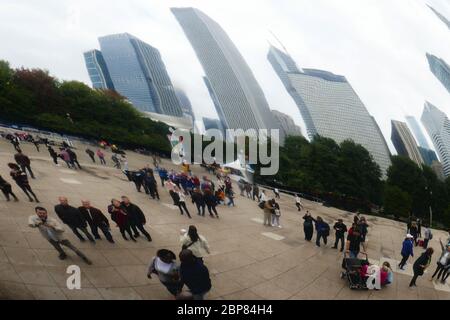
(407, 250)
(308, 226)
(195, 242)
(322, 229)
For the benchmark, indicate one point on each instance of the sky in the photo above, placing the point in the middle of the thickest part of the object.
(378, 45)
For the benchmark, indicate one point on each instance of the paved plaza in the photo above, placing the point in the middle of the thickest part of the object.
(247, 261)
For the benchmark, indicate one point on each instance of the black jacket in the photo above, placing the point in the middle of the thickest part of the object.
(96, 218)
(196, 277)
(21, 159)
(340, 228)
(135, 213)
(70, 216)
(423, 260)
(197, 198)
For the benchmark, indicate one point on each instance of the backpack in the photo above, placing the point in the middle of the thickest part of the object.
(262, 204)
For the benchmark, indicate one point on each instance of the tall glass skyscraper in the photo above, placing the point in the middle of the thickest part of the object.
(415, 127)
(440, 69)
(437, 125)
(139, 74)
(330, 107)
(404, 142)
(237, 96)
(97, 70)
(440, 16)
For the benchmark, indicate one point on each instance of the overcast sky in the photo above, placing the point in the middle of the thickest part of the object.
(379, 45)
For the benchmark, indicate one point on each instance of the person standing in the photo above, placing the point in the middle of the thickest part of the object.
(211, 203)
(91, 154)
(268, 209)
(96, 220)
(6, 188)
(230, 196)
(443, 261)
(163, 176)
(101, 156)
(22, 182)
(298, 203)
(276, 214)
(277, 193)
(151, 185)
(121, 218)
(198, 199)
(53, 154)
(353, 244)
(414, 231)
(136, 218)
(15, 143)
(52, 231)
(36, 144)
(194, 274)
(255, 192)
(340, 229)
(421, 264)
(24, 162)
(407, 250)
(180, 201)
(308, 226)
(363, 228)
(73, 158)
(164, 265)
(323, 231)
(72, 217)
(419, 227)
(427, 236)
(195, 242)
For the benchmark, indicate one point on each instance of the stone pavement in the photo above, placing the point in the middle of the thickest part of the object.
(248, 260)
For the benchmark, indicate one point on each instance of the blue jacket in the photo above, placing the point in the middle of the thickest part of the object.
(407, 248)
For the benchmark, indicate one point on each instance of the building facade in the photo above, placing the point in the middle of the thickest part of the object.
(97, 70)
(237, 96)
(404, 142)
(185, 103)
(286, 123)
(438, 169)
(417, 131)
(331, 108)
(440, 69)
(428, 156)
(437, 125)
(210, 123)
(139, 74)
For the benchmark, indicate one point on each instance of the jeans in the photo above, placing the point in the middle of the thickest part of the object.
(403, 262)
(84, 230)
(425, 243)
(139, 226)
(321, 236)
(105, 230)
(66, 243)
(275, 220)
(102, 161)
(27, 167)
(75, 161)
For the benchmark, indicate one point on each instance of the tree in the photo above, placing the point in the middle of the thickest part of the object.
(396, 201)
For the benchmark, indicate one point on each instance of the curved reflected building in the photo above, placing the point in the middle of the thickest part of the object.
(440, 69)
(404, 142)
(237, 96)
(97, 70)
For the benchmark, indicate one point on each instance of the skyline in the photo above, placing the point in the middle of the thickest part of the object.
(366, 55)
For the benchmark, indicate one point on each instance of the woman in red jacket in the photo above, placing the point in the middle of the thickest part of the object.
(120, 216)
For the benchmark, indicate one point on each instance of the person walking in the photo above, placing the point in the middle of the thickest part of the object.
(211, 203)
(22, 182)
(120, 216)
(64, 155)
(195, 242)
(151, 185)
(16, 144)
(73, 158)
(276, 215)
(268, 209)
(427, 236)
(442, 263)
(24, 162)
(91, 154)
(96, 220)
(407, 250)
(6, 188)
(322, 229)
(194, 274)
(353, 244)
(164, 265)
(36, 143)
(298, 203)
(421, 264)
(340, 229)
(53, 154)
(101, 156)
(198, 199)
(414, 231)
(248, 190)
(163, 176)
(230, 196)
(52, 231)
(363, 227)
(308, 226)
(255, 192)
(72, 217)
(136, 218)
(180, 201)
(277, 193)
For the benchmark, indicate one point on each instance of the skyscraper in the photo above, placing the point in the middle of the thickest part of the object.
(185, 103)
(437, 125)
(237, 96)
(139, 74)
(97, 70)
(415, 127)
(286, 123)
(440, 69)
(428, 156)
(330, 107)
(404, 142)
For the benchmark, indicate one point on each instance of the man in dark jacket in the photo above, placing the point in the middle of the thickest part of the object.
(150, 184)
(255, 192)
(137, 218)
(199, 200)
(73, 158)
(96, 220)
(91, 154)
(73, 218)
(194, 274)
(341, 229)
(24, 162)
(422, 263)
(138, 178)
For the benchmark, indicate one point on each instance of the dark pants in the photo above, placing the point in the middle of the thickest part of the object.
(138, 184)
(211, 209)
(321, 236)
(153, 192)
(339, 238)
(403, 262)
(126, 228)
(413, 280)
(27, 189)
(440, 271)
(105, 230)
(66, 243)
(84, 230)
(162, 181)
(102, 161)
(182, 205)
(55, 159)
(139, 226)
(299, 206)
(173, 288)
(7, 191)
(92, 158)
(74, 162)
(255, 195)
(27, 167)
(425, 243)
(200, 208)
(309, 230)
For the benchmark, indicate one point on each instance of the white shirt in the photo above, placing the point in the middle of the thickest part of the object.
(263, 197)
(297, 200)
(445, 258)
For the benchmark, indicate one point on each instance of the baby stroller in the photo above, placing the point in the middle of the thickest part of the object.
(352, 271)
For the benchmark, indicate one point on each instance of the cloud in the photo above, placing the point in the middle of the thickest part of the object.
(379, 45)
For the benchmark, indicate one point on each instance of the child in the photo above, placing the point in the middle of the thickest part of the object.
(276, 214)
